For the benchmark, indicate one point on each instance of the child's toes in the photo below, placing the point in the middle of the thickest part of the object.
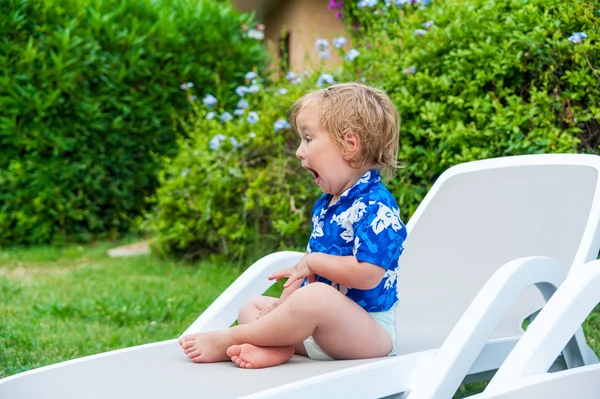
(185, 339)
(188, 344)
(234, 350)
(192, 353)
(197, 358)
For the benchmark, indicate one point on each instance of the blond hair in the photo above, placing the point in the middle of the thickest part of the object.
(365, 111)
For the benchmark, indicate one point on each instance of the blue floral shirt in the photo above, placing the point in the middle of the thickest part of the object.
(365, 222)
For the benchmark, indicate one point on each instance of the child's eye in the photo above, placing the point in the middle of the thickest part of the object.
(307, 139)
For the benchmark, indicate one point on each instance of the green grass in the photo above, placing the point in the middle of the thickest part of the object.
(63, 303)
(60, 304)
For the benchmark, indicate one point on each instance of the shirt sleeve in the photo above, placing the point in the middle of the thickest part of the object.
(379, 236)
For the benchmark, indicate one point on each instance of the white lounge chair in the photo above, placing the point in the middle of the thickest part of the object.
(477, 217)
(524, 374)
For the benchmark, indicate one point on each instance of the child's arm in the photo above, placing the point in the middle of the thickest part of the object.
(344, 270)
(287, 291)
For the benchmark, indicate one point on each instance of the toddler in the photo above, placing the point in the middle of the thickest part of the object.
(339, 300)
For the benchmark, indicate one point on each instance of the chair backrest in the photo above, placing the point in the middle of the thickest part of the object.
(482, 214)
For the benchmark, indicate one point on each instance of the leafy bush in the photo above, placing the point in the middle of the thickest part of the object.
(87, 92)
(481, 79)
(236, 187)
(472, 80)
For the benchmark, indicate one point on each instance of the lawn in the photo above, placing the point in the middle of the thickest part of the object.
(60, 304)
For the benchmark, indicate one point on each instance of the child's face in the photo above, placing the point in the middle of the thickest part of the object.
(322, 156)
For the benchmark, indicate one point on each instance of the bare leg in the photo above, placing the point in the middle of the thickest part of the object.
(251, 356)
(339, 326)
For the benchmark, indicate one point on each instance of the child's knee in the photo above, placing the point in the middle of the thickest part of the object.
(249, 306)
(315, 292)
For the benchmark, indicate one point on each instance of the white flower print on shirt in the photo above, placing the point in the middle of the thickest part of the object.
(341, 288)
(356, 245)
(385, 218)
(317, 227)
(347, 219)
(364, 178)
(390, 277)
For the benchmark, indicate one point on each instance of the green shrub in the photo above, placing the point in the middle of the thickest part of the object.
(87, 93)
(235, 187)
(491, 78)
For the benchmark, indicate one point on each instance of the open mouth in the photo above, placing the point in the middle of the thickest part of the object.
(314, 173)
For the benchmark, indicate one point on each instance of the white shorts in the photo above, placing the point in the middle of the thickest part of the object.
(386, 319)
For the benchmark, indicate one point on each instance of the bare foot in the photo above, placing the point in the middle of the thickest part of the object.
(206, 347)
(256, 357)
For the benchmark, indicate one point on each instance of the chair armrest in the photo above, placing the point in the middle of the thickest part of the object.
(466, 341)
(554, 326)
(253, 282)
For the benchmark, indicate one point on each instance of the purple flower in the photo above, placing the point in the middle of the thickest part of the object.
(290, 76)
(398, 3)
(209, 100)
(242, 104)
(333, 4)
(325, 79)
(420, 32)
(324, 55)
(339, 42)
(238, 112)
(241, 90)
(428, 24)
(252, 118)
(351, 55)
(211, 115)
(251, 75)
(281, 124)
(367, 3)
(577, 37)
(226, 117)
(187, 85)
(256, 34)
(215, 142)
(322, 45)
(411, 70)
(234, 142)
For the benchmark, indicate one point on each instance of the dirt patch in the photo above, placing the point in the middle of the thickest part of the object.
(23, 271)
(138, 248)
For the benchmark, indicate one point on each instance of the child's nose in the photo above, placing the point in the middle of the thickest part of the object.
(300, 152)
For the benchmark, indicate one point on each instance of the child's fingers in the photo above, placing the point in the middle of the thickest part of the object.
(279, 274)
(293, 277)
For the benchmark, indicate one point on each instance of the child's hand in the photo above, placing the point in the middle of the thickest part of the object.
(295, 273)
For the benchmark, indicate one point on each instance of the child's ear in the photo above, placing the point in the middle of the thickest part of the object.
(352, 145)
